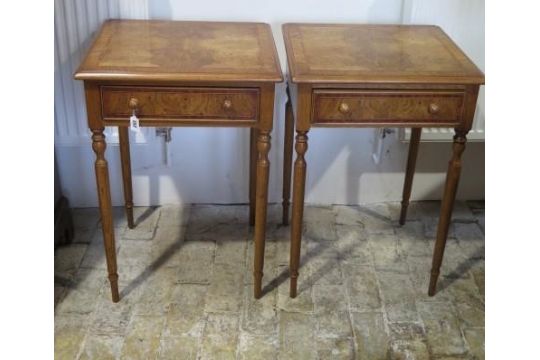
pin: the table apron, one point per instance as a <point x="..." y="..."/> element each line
<point x="393" y="124"/>
<point x="180" y="105"/>
<point x="182" y="122"/>
<point x="395" y="108"/>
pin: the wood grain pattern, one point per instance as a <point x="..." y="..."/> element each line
<point x="263" y="168"/>
<point x="102" y="181"/>
<point x="261" y="186"/>
<point x="354" y="53"/>
<point x="451" y="185"/>
<point x="181" y="74"/>
<point x="348" y="75"/>
<point x="180" y="103"/>
<point x="387" y="107"/>
<point x="447" y="204"/>
<point x="158" y="50"/>
<point x="105" y="206"/>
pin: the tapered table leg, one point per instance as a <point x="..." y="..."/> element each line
<point x="299" y="183"/>
<point x="261" y="203"/>
<point x="252" y="173"/>
<point x="287" y="160"/>
<point x="125" y="159"/>
<point x="411" y="164"/>
<point x="452" y="179"/>
<point x="105" y="207"/>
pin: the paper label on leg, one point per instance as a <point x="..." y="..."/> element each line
<point x="134" y="123"/>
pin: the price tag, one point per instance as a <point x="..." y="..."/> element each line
<point x="134" y="123"/>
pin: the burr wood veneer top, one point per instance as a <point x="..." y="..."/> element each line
<point x="150" y="50"/>
<point x="346" y="53"/>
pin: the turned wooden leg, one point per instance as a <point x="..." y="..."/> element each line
<point x="411" y="164"/>
<point x="252" y="173"/>
<point x="261" y="202"/>
<point x="125" y="159"/>
<point x="299" y="184"/>
<point x="105" y="207"/>
<point x="287" y="160"/>
<point x="452" y="179"/>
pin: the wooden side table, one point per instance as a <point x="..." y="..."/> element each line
<point x="172" y="73"/>
<point x="376" y="76"/>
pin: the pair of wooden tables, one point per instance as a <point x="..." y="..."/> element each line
<point x="167" y="73"/>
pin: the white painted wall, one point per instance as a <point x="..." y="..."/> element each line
<point x="211" y="165"/>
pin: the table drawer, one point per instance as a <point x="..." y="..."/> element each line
<point x="393" y="107"/>
<point x="180" y="103"/>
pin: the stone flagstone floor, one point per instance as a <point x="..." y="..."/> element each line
<point x="186" y="286"/>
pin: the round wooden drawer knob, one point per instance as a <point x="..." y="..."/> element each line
<point x="433" y="108"/>
<point x="133" y="103"/>
<point x="227" y="104"/>
<point x="344" y="108"/>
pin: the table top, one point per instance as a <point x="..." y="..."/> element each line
<point x="148" y="50"/>
<point x="353" y="53"/>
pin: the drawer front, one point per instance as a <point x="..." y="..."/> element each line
<point x="180" y="103"/>
<point x="387" y="107"/>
